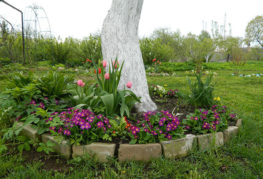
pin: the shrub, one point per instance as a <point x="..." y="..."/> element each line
<point x="153" y="48"/>
<point x="59" y="52"/>
<point x="4" y="61"/>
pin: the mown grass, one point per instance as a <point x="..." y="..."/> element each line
<point x="241" y="158"/>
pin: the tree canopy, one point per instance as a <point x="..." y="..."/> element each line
<point x="254" y="30"/>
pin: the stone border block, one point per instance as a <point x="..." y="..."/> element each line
<point x="100" y="150"/>
<point x="180" y="147"/>
<point x="230" y="132"/>
<point x="239" y="123"/>
<point x="29" y="131"/>
<point x="207" y="141"/>
<point x="63" y="148"/>
<point x="139" y="152"/>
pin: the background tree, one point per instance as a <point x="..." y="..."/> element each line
<point x="227" y="45"/>
<point x="254" y="30"/>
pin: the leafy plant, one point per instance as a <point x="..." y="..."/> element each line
<point x="157" y="90"/>
<point x="3" y="147"/>
<point x="201" y="92"/>
<point x="54" y="85"/>
<point x="45" y="147"/>
<point x="24" y="143"/>
<point x="116" y="101"/>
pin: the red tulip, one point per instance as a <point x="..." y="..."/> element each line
<point x="95" y="71"/>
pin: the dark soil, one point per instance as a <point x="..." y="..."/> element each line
<point x="175" y="106"/>
<point x="50" y="162"/>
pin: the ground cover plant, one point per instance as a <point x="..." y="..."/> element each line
<point x="232" y="160"/>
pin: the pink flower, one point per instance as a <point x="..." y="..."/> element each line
<point x="104" y="63"/>
<point x="107" y="76"/>
<point x="80" y="83"/>
<point x="129" y="84"/>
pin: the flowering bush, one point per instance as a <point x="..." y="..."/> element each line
<point x="206" y="121"/>
<point x="156" y="126"/>
<point x="81" y="126"/>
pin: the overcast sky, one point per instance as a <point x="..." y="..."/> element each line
<point x="79" y="18"/>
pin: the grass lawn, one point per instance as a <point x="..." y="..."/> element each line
<point x="240" y="158"/>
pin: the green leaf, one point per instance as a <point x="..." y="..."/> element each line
<point x="133" y="141"/>
<point x="3" y="148"/>
<point x="20" y="148"/>
<point x="39" y="149"/>
<point x="27" y="146"/>
<point x="108" y="101"/>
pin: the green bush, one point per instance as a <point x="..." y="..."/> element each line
<point x="74" y="62"/>
<point x="153" y="48"/>
<point x="91" y="48"/>
<point x="170" y="67"/>
<point x="59" y="52"/>
<point x="4" y="61"/>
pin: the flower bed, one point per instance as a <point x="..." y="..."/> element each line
<point x="97" y="119"/>
<point x="140" y="152"/>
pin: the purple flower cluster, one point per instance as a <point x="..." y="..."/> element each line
<point x="134" y="130"/>
<point x="79" y="121"/>
<point x="212" y="119"/>
<point x="157" y="123"/>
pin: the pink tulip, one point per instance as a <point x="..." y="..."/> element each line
<point x="129" y="84"/>
<point x="107" y="76"/>
<point x="80" y="83"/>
<point x="104" y="63"/>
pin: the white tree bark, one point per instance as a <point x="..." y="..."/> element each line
<point x="120" y="40"/>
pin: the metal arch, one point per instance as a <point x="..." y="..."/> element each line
<point x="36" y="17"/>
<point x="4" y="19"/>
<point x="47" y="20"/>
<point x="34" y="11"/>
<point x="22" y="24"/>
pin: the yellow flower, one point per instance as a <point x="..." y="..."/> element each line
<point x="217" y="98"/>
<point x="165" y="85"/>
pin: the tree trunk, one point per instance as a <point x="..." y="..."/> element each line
<point x="119" y="39"/>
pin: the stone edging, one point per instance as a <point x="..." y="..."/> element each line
<point x="138" y="152"/>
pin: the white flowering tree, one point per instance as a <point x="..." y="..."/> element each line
<point x="120" y="41"/>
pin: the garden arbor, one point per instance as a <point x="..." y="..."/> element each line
<point x="120" y="41"/>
